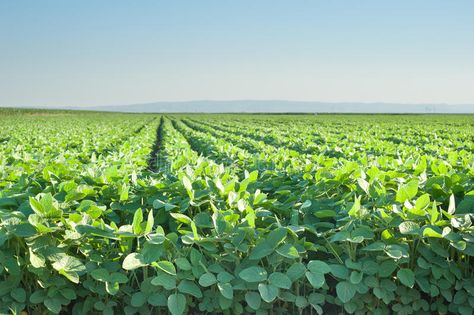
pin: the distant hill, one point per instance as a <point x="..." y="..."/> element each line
<point x="278" y="106"/>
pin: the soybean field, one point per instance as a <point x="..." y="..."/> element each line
<point x="110" y="213"/>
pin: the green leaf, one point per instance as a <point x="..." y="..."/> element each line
<point x="149" y="223"/>
<point x="70" y="267"/>
<point x="253" y="176"/>
<point x="387" y="268"/>
<point x="253" y="274"/>
<point x="296" y="271"/>
<point x="339" y="271"/>
<point x="259" y="197"/>
<point x="466" y="205"/>
<point x="306" y="204"/>
<point x="262" y="249"/>
<point x="422" y="202"/>
<point x="156" y="238"/>
<point x="316" y="279"/>
<point x="183" y="264"/>
<point x="187" y="183"/>
<point x="158" y="204"/>
<point x="182" y="218"/>
<point x="112" y="287"/>
<point x="94" y="231"/>
<point x="100" y="274"/>
<point x="349" y="263"/>
<point x="38" y="296"/>
<point x="407" y="191"/>
<point x="324" y="214"/>
<point x="253" y="300"/>
<point x="363" y="231"/>
<point x="276" y="236"/>
<point x="345" y="291"/>
<point x="452" y="204"/>
<point x="268" y="292"/>
<point x="138" y="299"/>
<point x="165" y="280"/>
<point x="124" y="192"/>
<point x="189" y="287"/>
<point x="318" y="266"/>
<point x="68" y="293"/>
<point x="69" y="263"/>
<point x="19" y="294"/>
<point x="224" y="277"/>
<point x="433" y="213"/>
<point x="355" y="209"/>
<point x="363" y="184"/>
<point x="195" y="231"/>
<point x="53" y="304"/>
<point x="226" y="290"/>
<point x="316" y="298"/>
<point x="24" y="230"/>
<point x="356" y="277"/>
<point x="409" y="227"/>
<point x="207" y="279"/>
<point x="37" y="206"/>
<point x="396" y="251"/>
<point x="99" y="305"/>
<point x="167" y="267"/>
<point x="157" y="299"/>
<point x="406" y="277"/>
<point x="118" y="277"/>
<point x="370" y="267"/>
<point x="70" y="275"/>
<point x="8" y="202"/>
<point x="301" y="302"/>
<point x="137" y="220"/>
<point x="176" y="303"/>
<point x="430" y="232"/>
<point x="36" y="261"/>
<point x="279" y="280"/>
<point x="288" y="251"/>
<point x="189" y="187"/>
<point x="376" y="246"/>
<point x="133" y="261"/>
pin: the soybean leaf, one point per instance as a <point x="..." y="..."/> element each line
<point x="138" y="299"/>
<point x="253" y="274"/>
<point x="407" y="191"/>
<point x="268" y="292"/>
<point x="406" y="277"/>
<point x="167" y="267"/>
<point x="176" y="303"/>
<point x="253" y="300"/>
<point x="133" y="261"/>
<point x="207" y="279"/>
<point x="409" y="227"/>
<point x="345" y="291"/>
<point x="137" y="220"/>
<point x="318" y="266"/>
<point x="288" y="251"/>
<point x="316" y="279"/>
<point x="165" y="280"/>
<point x="226" y="290"/>
<point x="296" y="271"/>
<point x="279" y="280"/>
<point x="189" y="287"/>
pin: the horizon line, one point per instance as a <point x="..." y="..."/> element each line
<point x="240" y="100"/>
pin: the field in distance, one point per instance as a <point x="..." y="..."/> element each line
<point x="110" y="213"/>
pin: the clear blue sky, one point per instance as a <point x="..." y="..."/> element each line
<point x="119" y="52"/>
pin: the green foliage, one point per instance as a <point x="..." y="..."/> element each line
<point x="140" y="214"/>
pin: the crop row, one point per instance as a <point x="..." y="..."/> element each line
<point x="227" y="214"/>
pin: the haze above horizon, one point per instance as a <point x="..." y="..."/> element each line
<point x="92" y="53"/>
